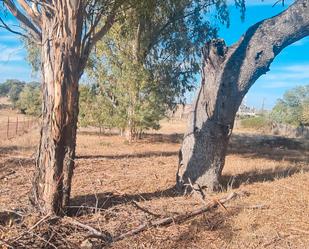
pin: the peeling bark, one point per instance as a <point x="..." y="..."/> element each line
<point x="66" y="30"/>
<point x="228" y="74"/>
<point x="60" y="77"/>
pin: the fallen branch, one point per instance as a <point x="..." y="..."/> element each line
<point x="105" y="236"/>
<point x="159" y="222"/>
<point x="176" y="219"/>
<point x="145" y="210"/>
<point x="43" y="219"/>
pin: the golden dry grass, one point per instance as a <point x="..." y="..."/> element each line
<point x="110" y="174"/>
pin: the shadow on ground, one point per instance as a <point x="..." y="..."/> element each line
<point x="135" y="155"/>
<point x="266" y="175"/>
<point x="269" y="147"/>
<point x="245" y="145"/>
<point x="13" y="148"/>
<point x="85" y="203"/>
<point x="81" y="204"/>
<point x="147" y="137"/>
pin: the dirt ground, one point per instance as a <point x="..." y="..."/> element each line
<point x="114" y="181"/>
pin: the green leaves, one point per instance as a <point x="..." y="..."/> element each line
<point x="30" y="99"/>
<point x="293" y="107"/>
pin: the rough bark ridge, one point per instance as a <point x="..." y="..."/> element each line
<point x="60" y="76"/>
<point x="66" y="30"/>
<point x="228" y="73"/>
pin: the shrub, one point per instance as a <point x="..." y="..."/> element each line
<point x="259" y="122"/>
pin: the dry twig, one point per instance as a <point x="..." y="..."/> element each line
<point x="145" y="210"/>
<point x="175" y="219"/>
<point x="34" y="226"/>
<point x="106" y="237"/>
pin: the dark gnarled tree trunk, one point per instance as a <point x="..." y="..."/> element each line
<point x="228" y="73"/>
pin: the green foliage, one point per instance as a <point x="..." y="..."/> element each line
<point x="93" y="108"/>
<point x="11" y="89"/>
<point x="150" y="58"/>
<point x="30" y="99"/>
<point x="305" y="113"/>
<point x="24" y="96"/>
<point x="147" y="61"/>
<point x="33" y="55"/>
<point x="256" y="123"/>
<point x="293" y="107"/>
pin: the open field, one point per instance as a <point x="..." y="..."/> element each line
<point x="13" y="123"/>
<point x="112" y="175"/>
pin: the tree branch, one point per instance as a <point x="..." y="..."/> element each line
<point x="35" y="33"/>
<point x="108" y="24"/>
<point x="156" y="223"/>
<point x="174" y="18"/>
<point x="36" y="19"/>
<point x="5" y="26"/>
<point x="252" y="55"/>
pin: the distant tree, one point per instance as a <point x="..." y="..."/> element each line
<point x="293" y="107"/>
<point x="153" y="55"/>
<point x="30" y="99"/>
<point x="93" y="109"/>
<point x="12" y="89"/>
<point x="305" y="113"/>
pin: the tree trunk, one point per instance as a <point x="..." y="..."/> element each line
<point x="60" y="76"/>
<point x="228" y="73"/>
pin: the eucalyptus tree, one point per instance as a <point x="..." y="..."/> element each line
<point x="153" y="56"/>
<point x="227" y="75"/>
<point x="293" y="108"/>
<point x="65" y="32"/>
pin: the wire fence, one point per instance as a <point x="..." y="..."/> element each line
<point x="16" y="126"/>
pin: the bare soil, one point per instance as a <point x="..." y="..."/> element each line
<point x="112" y="175"/>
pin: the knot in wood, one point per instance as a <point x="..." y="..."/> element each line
<point x="214" y="52"/>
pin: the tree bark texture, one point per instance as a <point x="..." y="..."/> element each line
<point x="227" y="75"/>
<point x="61" y="38"/>
<point x="66" y="30"/>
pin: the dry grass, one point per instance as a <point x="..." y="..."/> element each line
<point x="110" y="174"/>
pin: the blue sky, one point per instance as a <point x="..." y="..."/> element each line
<point x="290" y="68"/>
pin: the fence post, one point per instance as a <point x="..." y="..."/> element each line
<point x="7" y="128"/>
<point x="16" y="129"/>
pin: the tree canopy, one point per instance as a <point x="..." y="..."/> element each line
<point x="293" y="108"/>
<point x="151" y="56"/>
<point x="11" y="89"/>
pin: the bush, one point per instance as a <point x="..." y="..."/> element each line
<point x="30" y="99"/>
<point x="11" y="89"/>
<point x="260" y="122"/>
<point x="293" y="108"/>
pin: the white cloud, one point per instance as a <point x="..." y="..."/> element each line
<point x="9" y="37"/>
<point x="11" y="53"/>
<point x="11" y="71"/>
<point x="286" y="76"/>
<point x="299" y="68"/>
<point x="280" y="84"/>
<point x="296" y="75"/>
